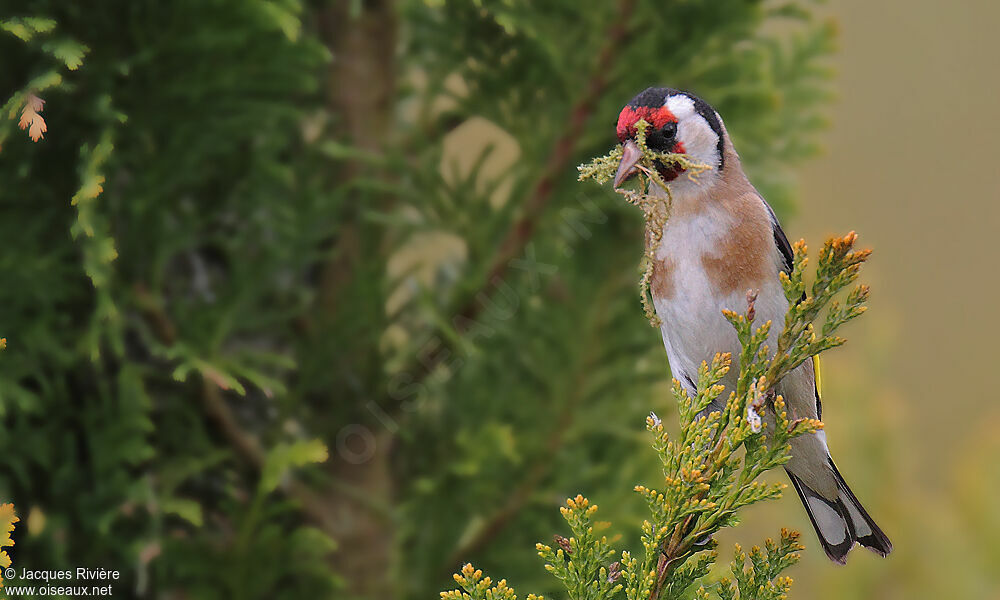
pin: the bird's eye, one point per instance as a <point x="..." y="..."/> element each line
<point x="663" y="139"/>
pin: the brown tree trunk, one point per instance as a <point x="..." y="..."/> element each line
<point x="361" y="95"/>
<point x="361" y="91"/>
<point x="361" y="523"/>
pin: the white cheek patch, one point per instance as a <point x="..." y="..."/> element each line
<point x="699" y="139"/>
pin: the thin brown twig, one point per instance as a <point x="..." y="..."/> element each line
<point x="516" y="501"/>
<point x="520" y="233"/>
<point x="498" y="521"/>
<point x="245" y="444"/>
<point x="515" y="241"/>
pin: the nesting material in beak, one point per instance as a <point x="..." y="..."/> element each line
<point x="631" y="154"/>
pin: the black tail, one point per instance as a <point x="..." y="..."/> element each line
<point x="842" y="522"/>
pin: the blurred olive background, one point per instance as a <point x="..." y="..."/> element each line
<point x="909" y="165"/>
<point x="303" y="299"/>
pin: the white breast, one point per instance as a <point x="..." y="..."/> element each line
<point x="693" y="328"/>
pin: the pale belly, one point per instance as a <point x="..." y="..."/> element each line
<point x="693" y="327"/>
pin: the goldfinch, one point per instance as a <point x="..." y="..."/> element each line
<point x="721" y="240"/>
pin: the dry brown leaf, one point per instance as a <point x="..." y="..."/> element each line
<point x="32" y="120"/>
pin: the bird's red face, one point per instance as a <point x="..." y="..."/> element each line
<point x="661" y="136"/>
<point x="678" y="123"/>
<point x="657" y="117"/>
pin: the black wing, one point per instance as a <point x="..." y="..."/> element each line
<point x="781" y="241"/>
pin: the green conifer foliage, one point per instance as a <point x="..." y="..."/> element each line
<point x="270" y="336"/>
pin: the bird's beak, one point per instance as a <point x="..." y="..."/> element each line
<point x="627" y="167"/>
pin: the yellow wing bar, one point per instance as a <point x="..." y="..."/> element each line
<point x="819" y="380"/>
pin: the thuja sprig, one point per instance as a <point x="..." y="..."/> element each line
<point x="758" y="576"/>
<point x="7" y="520"/>
<point x="583" y="562"/>
<point x="707" y="479"/>
<point x="838" y="267"/>
<point x="711" y="469"/>
<point x="474" y="586"/>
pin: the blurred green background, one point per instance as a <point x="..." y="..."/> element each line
<point x="302" y="298"/>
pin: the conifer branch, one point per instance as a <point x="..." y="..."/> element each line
<point x="7" y="520"/>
